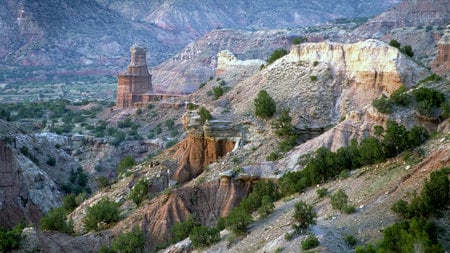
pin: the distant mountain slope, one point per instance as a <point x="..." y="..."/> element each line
<point x="79" y="33"/>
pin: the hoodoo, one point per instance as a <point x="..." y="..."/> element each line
<point x="135" y="84"/>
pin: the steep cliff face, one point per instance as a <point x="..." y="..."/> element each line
<point x="349" y="76"/>
<point x="203" y="145"/>
<point x="442" y="61"/>
<point x="25" y="190"/>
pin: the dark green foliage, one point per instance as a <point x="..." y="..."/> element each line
<point x="371" y="151"/>
<point x="181" y="230"/>
<point x="298" y="40"/>
<point x="285" y="130"/>
<point x="170" y="123"/>
<point x="102" y="182"/>
<point x="140" y="191"/>
<point x="277" y="54"/>
<point x="55" y="220"/>
<point x="310" y="242"/>
<point x="69" y="202"/>
<point x="218" y="92"/>
<point x="394" y="43"/>
<point x="104" y="211"/>
<point x="383" y="105"/>
<point x="150" y="106"/>
<point x="406" y="236"/>
<point x="126" y="163"/>
<point x="431" y="78"/>
<point x="77" y="182"/>
<point x="400" y="97"/>
<point x="11" y="239"/>
<point x="266" y="207"/>
<point x="202" y="236"/>
<point x="125" y="123"/>
<point x="322" y="192"/>
<point x="339" y="200"/>
<point x="350" y="240"/>
<point x="435" y="192"/>
<point x="283" y="124"/>
<point x="395" y="139"/>
<point x="428" y="28"/>
<point x="171" y="143"/>
<point x="265" y="106"/>
<point x="261" y="190"/>
<point x="304" y="215"/>
<point x="24" y="150"/>
<point x="51" y="161"/>
<point x="204" y="114"/>
<point x="428" y="100"/>
<point x="131" y="242"/>
<point x="192" y="106"/>
<point x="313" y="78"/>
<point x="238" y="220"/>
<point x="417" y="135"/>
<point x="407" y="49"/>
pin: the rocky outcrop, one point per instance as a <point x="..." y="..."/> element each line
<point x="228" y="64"/>
<point x="25" y="190"/>
<point x="442" y="61"/>
<point x="134" y="84"/>
<point x="207" y="201"/>
<point x="321" y="82"/>
<point x="204" y="144"/>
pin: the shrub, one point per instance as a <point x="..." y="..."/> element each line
<point x="277" y="54"/>
<point x="139" y="191"/>
<point x="339" y="200"/>
<point x="371" y="151"/>
<point x="304" y="214"/>
<point x="265" y="106"/>
<point x="130" y="242"/>
<point x="310" y="242"/>
<point x="126" y="163"/>
<point x="204" y="114"/>
<point x="170" y="123"/>
<point x="181" y="230"/>
<point x="383" y="105"/>
<point x="350" y="240"/>
<point x="407" y="49"/>
<point x="202" y="236"/>
<point x="394" y="43"/>
<point x="55" y="220"/>
<point x="218" y="92"/>
<point x="238" y="220"/>
<point x="51" y="161"/>
<point x="298" y="40"/>
<point x="283" y="124"/>
<point x="192" y="106"/>
<point x="104" y="211"/>
<point x="266" y="207"/>
<point x="11" y="239"/>
<point x="400" y="97"/>
<point x="322" y="192"/>
<point x="69" y="202"/>
<point x="313" y="78"/>
<point x="102" y="182"/>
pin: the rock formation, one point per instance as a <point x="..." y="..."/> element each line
<point x="135" y="84"/>
<point x="442" y="62"/>
<point x="204" y="144"/>
<point x="25" y="191"/>
<point x="228" y="64"/>
<point x="207" y="201"/>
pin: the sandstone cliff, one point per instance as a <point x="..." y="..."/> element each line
<point x="204" y="144"/>
<point x="350" y="76"/>
<point x="442" y="61"/>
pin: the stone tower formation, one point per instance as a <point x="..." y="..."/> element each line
<point x="442" y="61"/>
<point x="135" y="84"/>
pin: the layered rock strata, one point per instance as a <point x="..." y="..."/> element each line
<point x="204" y="145"/>
<point x="136" y="82"/>
<point x="442" y="62"/>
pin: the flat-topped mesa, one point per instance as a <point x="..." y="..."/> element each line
<point x="135" y="84"/>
